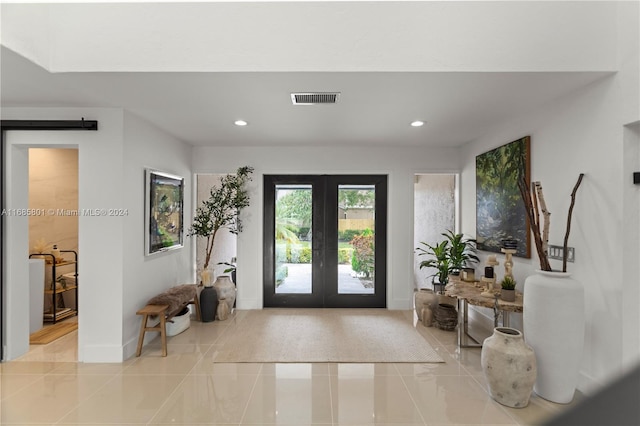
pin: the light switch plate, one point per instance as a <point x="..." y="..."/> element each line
<point x="555" y="252"/>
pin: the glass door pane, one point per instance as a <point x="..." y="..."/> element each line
<point x="292" y="236"/>
<point x="356" y="239"/>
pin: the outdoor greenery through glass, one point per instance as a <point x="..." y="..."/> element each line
<point x="293" y="232"/>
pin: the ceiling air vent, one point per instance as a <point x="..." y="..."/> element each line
<point x="315" y="98"/>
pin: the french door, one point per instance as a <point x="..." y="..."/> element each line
<point x="325" y="240"/>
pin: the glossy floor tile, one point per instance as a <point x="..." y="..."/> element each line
<point x="188" y="388"/>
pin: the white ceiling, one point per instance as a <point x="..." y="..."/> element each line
<point x="374" y="109"/>
<point x="461" y="84"/>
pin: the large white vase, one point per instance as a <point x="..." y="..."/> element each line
<point x="553" y="325"/>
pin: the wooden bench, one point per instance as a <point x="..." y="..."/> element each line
<point x="166" y="305"/>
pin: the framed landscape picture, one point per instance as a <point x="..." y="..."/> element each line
<point x="164" y="202"/>
<point x="500" y="211"/>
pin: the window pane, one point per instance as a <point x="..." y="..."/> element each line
<point x="293" y="239"/>
<point x="356" y="237"/>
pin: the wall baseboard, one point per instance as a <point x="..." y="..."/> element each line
<point x="248" y="304"/>
<point x="102" y="353"/>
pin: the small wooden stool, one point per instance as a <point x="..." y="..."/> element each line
<point x="153" y="310"/>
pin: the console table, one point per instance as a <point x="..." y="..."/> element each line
<point x="467" y="294"/>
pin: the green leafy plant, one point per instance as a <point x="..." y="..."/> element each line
<point x="348" y="234"/>
<point x="363" y="256"/>
<point x="304" y="255"/>
<point x="230" y="267"/>
<point x="344" y="255"/>
<point x="439" y="260"/>
<point x="222" y="209"/>
<point x="282" y="272"/>
<point x="508" y="283"/>
<point x="462" y="252"/>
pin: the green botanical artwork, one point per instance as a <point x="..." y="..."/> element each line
<point x="500" y="211"/>
<point x="164" y="211"/>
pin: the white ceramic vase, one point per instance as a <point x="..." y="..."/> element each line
<point x="553" y="324"/>
<point x="226" y="290"/>
<point x="425" y="297"/>
<point x="222" y="312"/>
<point x="509" y="365"/>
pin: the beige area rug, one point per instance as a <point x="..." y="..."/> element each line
<point x="325" y="335"/>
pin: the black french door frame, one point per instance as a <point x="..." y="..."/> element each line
<point x="324" y="243"/>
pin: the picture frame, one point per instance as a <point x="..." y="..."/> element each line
<point x="500" y="210"/>
<point x="164" y="212"/>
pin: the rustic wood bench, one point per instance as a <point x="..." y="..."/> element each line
<point x="166" y="305"/>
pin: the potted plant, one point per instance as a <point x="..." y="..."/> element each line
<point x="230" y="268"/>
<point x="462" y="252"/>
<point x="439" y="260"/>
<point x="221" y="210"/>
<point x="508" y="293"/>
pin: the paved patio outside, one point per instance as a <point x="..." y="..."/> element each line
<point x="299" y="280"/>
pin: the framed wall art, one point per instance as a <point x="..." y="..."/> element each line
<point x="500" y="211"/>
<point x="164" y="203"/>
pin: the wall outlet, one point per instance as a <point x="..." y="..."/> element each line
<point x="555" y="252"/>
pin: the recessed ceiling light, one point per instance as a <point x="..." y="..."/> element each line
<point x="417" y="123"/>
<point x="240" y="123"/>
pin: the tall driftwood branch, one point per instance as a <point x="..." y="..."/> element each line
<point x="535" y="203"/>
<point x="547" y="219"/>
<point x="565" y="248"/>
<point x="526" y="194"/>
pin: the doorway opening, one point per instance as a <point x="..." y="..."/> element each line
<point x="435" y="211"/>
<point x="14" y="270"/>
<point x="53" y="304"/>
<point x="325" y="240"/>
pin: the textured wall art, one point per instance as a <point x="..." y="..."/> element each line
<point x="500" y="211"/>
<point x="164" y="195"/>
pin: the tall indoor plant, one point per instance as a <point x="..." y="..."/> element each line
<point x="221" y="210"/>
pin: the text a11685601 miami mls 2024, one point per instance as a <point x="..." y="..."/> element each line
<point x="65" y="212"/>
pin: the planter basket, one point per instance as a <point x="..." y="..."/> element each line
<point x="180" y="323"/>
<point x="445" y="317"/>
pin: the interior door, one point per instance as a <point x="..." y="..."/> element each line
<point x="325" y="240"/>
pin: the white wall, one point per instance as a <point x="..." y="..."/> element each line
<point x="401" y="164"/>
<point x="116" y="278"/>
<point x="629" y="65"/>
<point x="434" y="213"/>
<point x="631" y="246"/>
<point x="145" y="146"/>
<point x="582" y="133"/>
<point x="53" y="182"/>
<point x="100" y="238"/>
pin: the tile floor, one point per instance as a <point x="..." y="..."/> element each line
<point x="47" y="386"/>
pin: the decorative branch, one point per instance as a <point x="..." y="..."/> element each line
<point x="547" y="219"/>
<point x="566" y="235"/>
<point x="535" y="203"/>
<point x="526" y="194"/>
